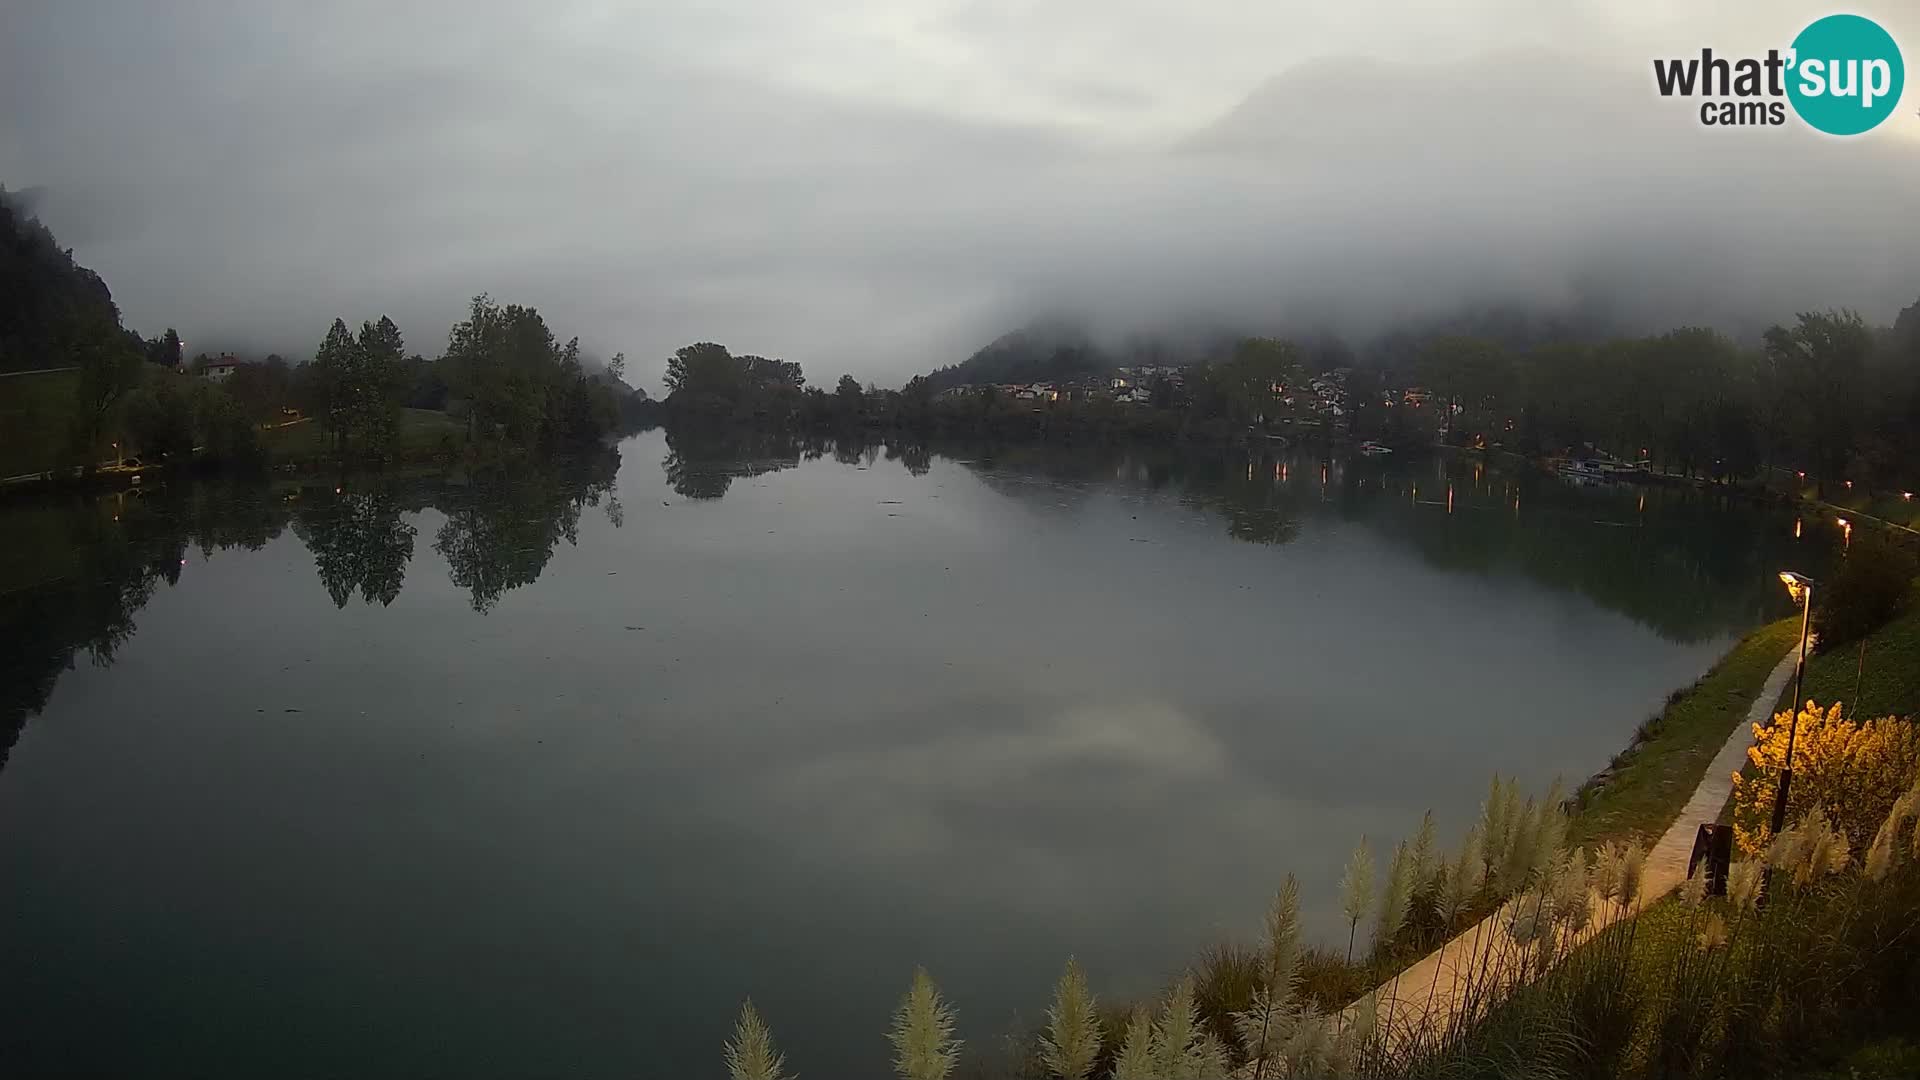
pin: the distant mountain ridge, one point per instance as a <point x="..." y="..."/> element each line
<point x="1056" y="349"/>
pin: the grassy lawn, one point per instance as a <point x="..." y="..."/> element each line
<point x="1654" y="778"/>
<point x="1899" y="508"/>
<point x="1890" y="684"/>
<point x="1890" y="1058"/>
<point x="421" y="432"/>
<point x="33" y="421"/>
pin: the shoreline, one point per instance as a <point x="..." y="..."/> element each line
<point x="1636" y="795"/>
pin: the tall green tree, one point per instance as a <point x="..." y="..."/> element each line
<point x="159" y="419"/>
<point x="498" y="359"/>
<point x="332" y="383"/>
<point x="704" y="369"/>
<point x="1260" y="372"/>
<point x="1818" y="367"/>
<point x="109" y="370"/>
<point x="379" y="378"/>
<point x="520" y="382"/>
<point x="847" y="396"/>
<point x="261" y="389"/>
<point x="1473" y="373"/>
<point x="165" y="349"/>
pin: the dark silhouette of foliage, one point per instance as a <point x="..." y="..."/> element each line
<point x="501" y="531"/>
<point x="358" y="542"/>
<point x="1873" y="583"/>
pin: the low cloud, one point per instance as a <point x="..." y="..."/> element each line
<point x="881" y="188"/>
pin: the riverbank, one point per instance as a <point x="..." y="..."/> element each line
<point x="426" y="439"/>
<point x="1662" y="767"/>
<point x="1637" y="795"/>
<point x="1460" y="979"/>
<point x="1676" y="774"/>
<point x="1637" y="800"/>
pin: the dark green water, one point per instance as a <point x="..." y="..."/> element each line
<point x="538" y="774"/>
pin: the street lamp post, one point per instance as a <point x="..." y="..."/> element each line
<point x="1800" y="587"/>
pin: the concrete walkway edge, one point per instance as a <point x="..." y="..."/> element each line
<point x="1425" y="997"/>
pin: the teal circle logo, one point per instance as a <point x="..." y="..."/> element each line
<point x="1846" y="75"/>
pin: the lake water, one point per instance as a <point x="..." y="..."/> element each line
<point x="539" y="774"/>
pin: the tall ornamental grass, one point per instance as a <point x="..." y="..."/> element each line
<point x="1564" y="966"/>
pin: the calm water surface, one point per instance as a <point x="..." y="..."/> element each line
<point x="539" y="774"/>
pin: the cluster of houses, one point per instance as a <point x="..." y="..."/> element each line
<point x="1132" y="385"/>
<point x="1035" y="392"/>
<point x="1329" y="394"/>
<point x="1324" y="400"/>
<point x="1135" y="384"/>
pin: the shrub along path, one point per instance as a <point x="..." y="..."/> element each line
<point x="1423" y="999"/>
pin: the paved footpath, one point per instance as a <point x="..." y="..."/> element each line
<point x="1426" y="996"/>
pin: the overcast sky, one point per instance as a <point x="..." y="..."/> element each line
<point x="879" y="186"/>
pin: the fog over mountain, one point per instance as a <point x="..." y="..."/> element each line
<point x="883" y="187"/>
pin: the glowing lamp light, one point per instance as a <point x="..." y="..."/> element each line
<point x="1798" y="585"/>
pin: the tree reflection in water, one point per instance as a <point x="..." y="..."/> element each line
<point x="1688" y="564"/>
<point x="503" y="524"/>
<point x="358" y="541"/>
<point x="79" y="569"/>
<point x="702" y="463"/>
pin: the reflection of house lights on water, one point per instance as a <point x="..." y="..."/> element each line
<point x="1796" y="528"/>
<point x="1449" y="498"/>
<point x="1643" y="502"/>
